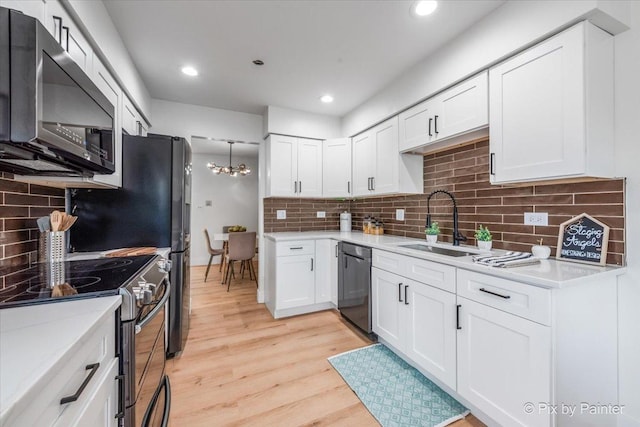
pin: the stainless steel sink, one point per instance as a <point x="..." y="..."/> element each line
<point x="437" y="250"/>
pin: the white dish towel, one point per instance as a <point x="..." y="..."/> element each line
<point x="510" y="259"/>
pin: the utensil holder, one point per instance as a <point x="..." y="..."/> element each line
<point x="55" y="273"/>
<point x="51" y="246"/>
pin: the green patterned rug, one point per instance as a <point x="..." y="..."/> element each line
<point x="394" y="392"/>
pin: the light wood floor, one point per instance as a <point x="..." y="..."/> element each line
<point x="242" y="367"/>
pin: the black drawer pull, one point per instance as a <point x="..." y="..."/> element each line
<point x="406" y="301"/>
<point x="94" y="368"/>
<point x="399" y="292"/>
<point x="120" y="379"/>
<point x="493" y="293"/>
<point x="296" y="248"/>
<point x="458" y="316"/>
<point x="430" y="120"/>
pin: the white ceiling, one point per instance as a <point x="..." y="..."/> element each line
<point x="221" y="148"/>
<point x="350" y="49"/>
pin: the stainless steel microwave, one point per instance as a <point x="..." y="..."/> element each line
<point x="53" y="119"/>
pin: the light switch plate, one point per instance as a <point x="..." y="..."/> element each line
<point x="281" y="214"/>
<point x="536" y="218"/>
<point x="399" y="214"/>
<point x="321" y="214"/>
<point x="208" y="203"/>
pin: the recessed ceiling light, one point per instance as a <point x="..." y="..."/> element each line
<point x="425" y="7"/>
<point x="190" y="71"/>
<point x="326" y="99"/>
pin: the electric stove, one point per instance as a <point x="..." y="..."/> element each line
<point x="50" y="282"/>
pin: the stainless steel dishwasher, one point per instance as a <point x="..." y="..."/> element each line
<point x="354" y="285"/>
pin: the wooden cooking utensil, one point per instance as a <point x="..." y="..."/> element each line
<point x="56" y="220"/>
<point x="70" y="221"/>
<point x="63" y="290"/>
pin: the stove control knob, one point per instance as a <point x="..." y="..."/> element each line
<point x="164" y="265"/>
<point x="147" y="296"/>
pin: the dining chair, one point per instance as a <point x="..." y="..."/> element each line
<point x="242" y="247"/>
<point x="212" y="253"/>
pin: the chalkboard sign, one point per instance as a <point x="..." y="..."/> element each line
<point x="583" y="239"/>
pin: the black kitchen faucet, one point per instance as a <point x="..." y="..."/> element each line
<point x="457" y="237"/>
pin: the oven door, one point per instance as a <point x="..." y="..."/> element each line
<point x="150" y="353"/>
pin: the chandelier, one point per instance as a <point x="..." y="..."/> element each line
<point x="241" y="169"/>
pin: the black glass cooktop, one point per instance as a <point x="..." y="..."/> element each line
<point x="48" y="282"/>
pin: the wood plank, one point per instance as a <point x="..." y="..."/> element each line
<point x="241" y="367"/>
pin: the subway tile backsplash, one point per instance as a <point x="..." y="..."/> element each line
<point x="20" y="205"/>
<point x="464" y="172"/>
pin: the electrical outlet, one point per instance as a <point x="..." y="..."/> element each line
<point x="399" y="214"/>
<point x="536" y="218"/>
<point x="281" y="214"/>
<point x="208" y="203"/>
<point x="321" y="214"/>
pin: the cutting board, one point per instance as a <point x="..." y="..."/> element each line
<point x="131" y="252"/>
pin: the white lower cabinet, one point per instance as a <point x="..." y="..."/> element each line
<point x="504" y="361"/>
<point x="298" y="277"/>
<point x="418" y="320"/>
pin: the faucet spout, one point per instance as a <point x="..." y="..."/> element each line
<point x="457" y="236"/>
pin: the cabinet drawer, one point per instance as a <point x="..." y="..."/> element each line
<point x="299" y="247"/>
<point x="526" y="301"/>
<point x="423" y="271"/>
<point x="96" y="347"/>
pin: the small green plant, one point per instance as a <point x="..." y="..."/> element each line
<point x="483" y="234"/>
<point x="433" y="229"/>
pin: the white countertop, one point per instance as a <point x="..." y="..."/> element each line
<point x="549" y="273"/>
<point x="35" y="341"/>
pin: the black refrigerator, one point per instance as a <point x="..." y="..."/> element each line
<point x="152" y="208"/>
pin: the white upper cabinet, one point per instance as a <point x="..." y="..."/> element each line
<point x="378" y="167"/>
<point x="132" y="121"/>
<point x="447" y="118"/>
<point x="294" y="167"/>
<point x="65" y="31"/>
<point x="336" y="167"/>
<point x="552" y="109"/>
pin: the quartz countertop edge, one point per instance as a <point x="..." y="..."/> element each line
<point x="36" y="340"/>
<point x="549" y="273"/>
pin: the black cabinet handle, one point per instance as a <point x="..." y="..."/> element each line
<point x="369" y="183"/>
<point x="406" y="301"/>
<point x="493" y="293"/>
<point x="492" y="159"/>
<point x="311" y="264"/>
<point x="458" y="316"/>
<point x="68" y="399"/>
<point x="58" y="23"/>
<point x="120" y="379"/>
<point x="373" y="183"/>
<point x="430" y="120"/>
<point x="66" y="38"/>
<point x="399" y="292"/>
<point x="336" y="251"/>
<point x="300" y="187"/>
<point x="435" y="125"/>
<point x="348" y="187"/>
<point x="295" y="248"/>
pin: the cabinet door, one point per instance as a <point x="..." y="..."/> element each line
<point x="59" y="23"/>
<point x="111" y="90"/>
<point x="336" y="167"/>
<point x="416" y="126"/>
<point x="33" y="8"/>
<point x="387" y="158"/>
<point x="363" y="160"/>
<point x="537" y="111"/>
<point x="295" y="281"/>
<point x="504" y="361"/>
<point x="463" y="108"/>
<point x="129" y="115"/>
<point x="282" y="172"/>
<point x="324" y="259"/>
<point x="431" y="324"/>
<point x="309" y="167"/>
<point x="388" y="307"/>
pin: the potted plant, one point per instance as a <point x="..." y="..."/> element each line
<point x="484" y="238"/>
<point x="432" y="232"/>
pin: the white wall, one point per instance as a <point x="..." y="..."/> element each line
<point x="627" y="54"/>
<point x="300" y="123"/>
<point x="234" y="202"/>
<point x="509" y="28"/>
<point x="186" y="120"/>
<point x="97" y="22"/>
